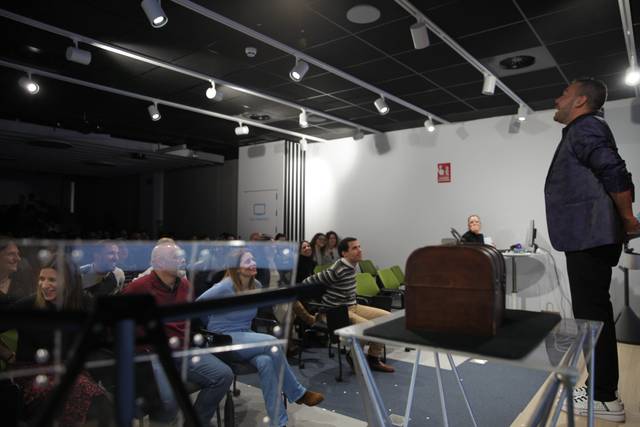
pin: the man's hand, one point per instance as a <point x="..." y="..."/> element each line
<point x="631" y="227"/>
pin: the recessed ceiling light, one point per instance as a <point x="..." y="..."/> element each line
<point x="34" y="49"/>
<point x="363" y="14"/>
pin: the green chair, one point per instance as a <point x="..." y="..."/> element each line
<point x="366" y="285"/>
<point x="390" y="285"/>
<point x="367" y="266"/>
<point x="321" y="267"/>
<point x="398" y="272"/>
<point x="368" y="292"/>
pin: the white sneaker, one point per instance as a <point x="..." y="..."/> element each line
<point x="610" y="411"/>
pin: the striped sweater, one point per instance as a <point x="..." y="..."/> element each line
<point x="339" y="281"/>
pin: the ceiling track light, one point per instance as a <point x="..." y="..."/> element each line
<point x="29" y="85"/>
<point x="211" y="91"/>
<point x="155" y="14"/>
<point x="420" y="35"/>
<point x="489" y="85"/>
<point x="299" y="70"/>
<point x="632" y="77"/>
<point x="242" y="129"/>
<point x="302" y="119"/>
<point x="77" y="55"/>
<point x="303" y="144"/>
<point x="381" y="105"/>
<point x="154" y="112"/>
<point x="358" y="135"/>
<point x="522" y="113"/>
<point x="428" y="124"/>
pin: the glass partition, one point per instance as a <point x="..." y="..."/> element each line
<point x="133" y="314"/>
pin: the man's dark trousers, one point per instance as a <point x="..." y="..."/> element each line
<point x="589" y="280"/>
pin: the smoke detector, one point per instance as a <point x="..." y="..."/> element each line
<point x="250" y="51"/>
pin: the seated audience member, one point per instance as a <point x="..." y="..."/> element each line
<point x="332" y="246"/>
<point x="473" y="235"/>
<point x="168" y="285"/>
<point x="271" y="366"/>
<point x="15" y="281"/>
<point x="102" y="276"/>
<point x="58" y="287"/>
<point x="340" y="290"/>
<point x="319" y="248"/>
<point x="306" y="264"/>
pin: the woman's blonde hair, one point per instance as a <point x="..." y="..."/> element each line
<point x="233" y="271"/>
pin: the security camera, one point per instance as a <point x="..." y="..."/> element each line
<point x="250" y="51"/>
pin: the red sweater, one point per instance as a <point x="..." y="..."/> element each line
<point x="164" y="295"/>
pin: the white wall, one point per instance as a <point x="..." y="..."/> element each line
<point x="383" y="190"/>
<point x="260" y="189"/>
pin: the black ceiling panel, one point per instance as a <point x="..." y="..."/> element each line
<point x="429" y="98"/>
<point x="438" y="55"/>
<point x="594" y="46"/>
<point x="335" y="12"/>
<point x="328" y="83"/>
<point x="344" y="52"/>
<point x="450" y="108"/>
<point x="379" y="70"/>
<point x="591" y="17"/>
<point x="451" y="76"/>
<point x="293" y="91"/>
<point x="550" y="92"/>
<point x="350" y="113"/>
<point x="497" y="42"/>
<point x="406" y="85"/>
<point x="596" y="66"/>
<point x="325" y="103"/>
<point x="392" y="38"/>
<point x="357" y="96"/>
<point x="462" y="17"/>
<point x="486" y="102"/>
<point x="534" y="8"/>
<point x="533" y="79"/>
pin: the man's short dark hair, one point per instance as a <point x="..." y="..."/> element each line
<point x="595" y="90"/>
<point x="343" y="246"/>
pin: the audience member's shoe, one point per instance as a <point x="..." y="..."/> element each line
<point x="310" y="398"/>
<point x="376" y="365"/>
<point x="610" y="411"/>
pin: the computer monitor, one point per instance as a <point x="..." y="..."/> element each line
<point x="530" y="241"/>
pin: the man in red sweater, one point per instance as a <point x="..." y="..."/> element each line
<point x="168" y="285"/>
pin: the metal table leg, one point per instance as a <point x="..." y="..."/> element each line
<point x="464" y="393"/>
<point x="414" y="373"/>
<point x="445" y="421"/>
<point x="373" y="405"/>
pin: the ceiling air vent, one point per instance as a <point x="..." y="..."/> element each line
<point x="517" y="62"/>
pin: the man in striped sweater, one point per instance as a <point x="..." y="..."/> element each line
<point x="340" y="289"/>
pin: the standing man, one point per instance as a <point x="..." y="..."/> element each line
<point x="588" y="195"/>
<point x="339" y="281"/>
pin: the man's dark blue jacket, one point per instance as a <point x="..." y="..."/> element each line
<point x="586" y="167"/>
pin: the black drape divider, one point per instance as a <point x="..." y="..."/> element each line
<point x="294" y="191"/>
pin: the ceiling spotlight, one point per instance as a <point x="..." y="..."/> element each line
<point x="489" y="85"/>
<point x="211" y="91"/>
<point x="303" y="144"/>
<point x="358" y="135"/>
<point x="632" y="77"/>
<point x="29" y="85"/>
<point x="302" y="119"/>
<point x="299" y="70"/>
<point x="154" y="13"/>
<point x="381" y="105"/>
<point x="428" y="124"/>
<point x="77" y="55"/>
<point x="154" y="113"/>
<point x="522" y="113"/>
<point x="242" y="129"/>
<point x="419" y="35"/>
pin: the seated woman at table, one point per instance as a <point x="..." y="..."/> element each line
<point x="473" y="235"/>
<point x="269" y="364"/>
